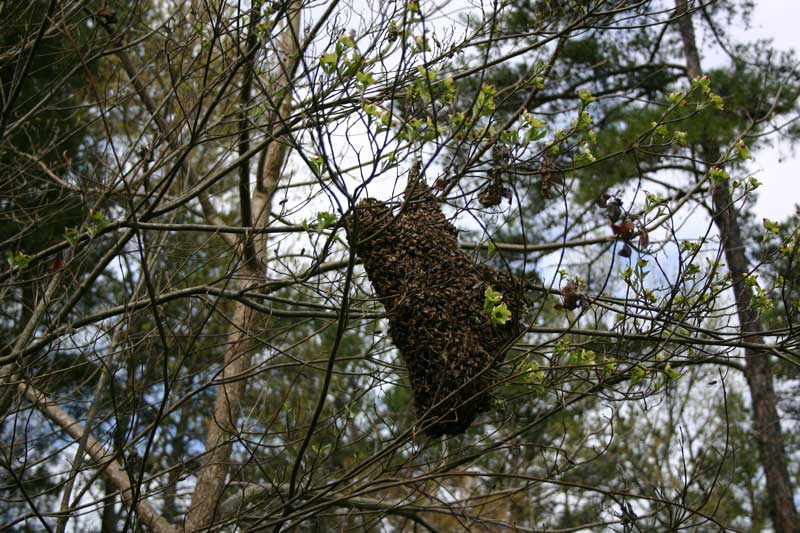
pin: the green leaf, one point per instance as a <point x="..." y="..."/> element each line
<point x="447" y="90"/>
<point x="533" y="134"/>
<point x="347" y="41"/>
<point x="609" y="365"/>
<point x="97" y="223"/>
<point x="678" y="98"/>
<point x="99" y="218"/>
<point x="422" y="44"/>
<point x="71" y="235"/>
<point x="491" y="298"/>
<point x="582" y="357"/>
<point x="433" y="129"/>
<point x="586" y="96"/>
<point x="741" y="150"/>
<point x="325" y="219"/>
<point x="532" y="121"/>
<point x="671" y="373"/>
<point x="386" y="119"/>
<point x="429" y="75"/>
<point x="19" y="260"/>
<point x="317" y="164"/>
<point x="680" y="137"/>
<point x="351" y="65"/>
<point x="365" y="78"/>
<point x="500" y="314"/>
<point x="533" y="374"/>
<point x="484" y="103"/>
<point x="510" y="137"/>
<point x="703" y="83"/>
<point x="771" y="226"/>
<point x="561" y="348"/>
<point x="638" y="373"/>
<point x="372" y="110"/>
<point x="329" y="61"/>
<point x="689" y="246"/>
<point x="584" y="120"/>
<point x="586" y="153"/>
<point x="659" y="129"/>
<point x="718" y="175"/>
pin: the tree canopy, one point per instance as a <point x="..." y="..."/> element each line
<point x="394" y="266"/>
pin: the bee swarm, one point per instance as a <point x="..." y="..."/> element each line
<point x="433" y="294"/>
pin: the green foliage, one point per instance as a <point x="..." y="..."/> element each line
<point x="365" y="78"/>
<point x="771" y="227"/>
<point x="500" y="314"/>
<point x="19" y="260"/>
<point x="484" y="104"/>
<point x="322" y="221"/>
<point x="497" y="310"/>
<point x="718" y="175"/>
<point x="97" y="222"/>
<point x="590" y="398"/>
<point x="671" y="373"/>
<point x="325" y="219"/>
<point x="491" y="298"/>
<point x="582" y="357"/>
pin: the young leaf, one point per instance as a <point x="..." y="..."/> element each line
<point x="491" y="298"/>
<point x="365" y="78"/>
<point x="500" y="314"/>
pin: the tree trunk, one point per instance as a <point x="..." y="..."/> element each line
<point x="222" y="428"/>
<point x="209" y="492"/>
<point x="757" y="369"/>
<point x="109" y="518"/>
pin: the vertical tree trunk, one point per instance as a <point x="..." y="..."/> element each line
<point x="222" y="428"/>
<point x="757" y="369"/>
<point x="108" y="522"/>
<point x="170" y="508"/>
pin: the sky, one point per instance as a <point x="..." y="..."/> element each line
<point x="777" y="168"/>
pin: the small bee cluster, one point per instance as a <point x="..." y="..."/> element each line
<point x="434" y="296"/>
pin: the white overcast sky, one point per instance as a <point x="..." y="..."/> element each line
<point x="777" y="168"/>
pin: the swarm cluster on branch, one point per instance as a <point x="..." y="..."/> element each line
<point x="434" y="295"/>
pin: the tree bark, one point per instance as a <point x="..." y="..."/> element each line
<point x="757" y="368"/>
<point x="222" y="428"/>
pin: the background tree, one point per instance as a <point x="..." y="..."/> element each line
<point x="191" y="342"/>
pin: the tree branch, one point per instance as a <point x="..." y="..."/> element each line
<point x="112" y="470"/>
